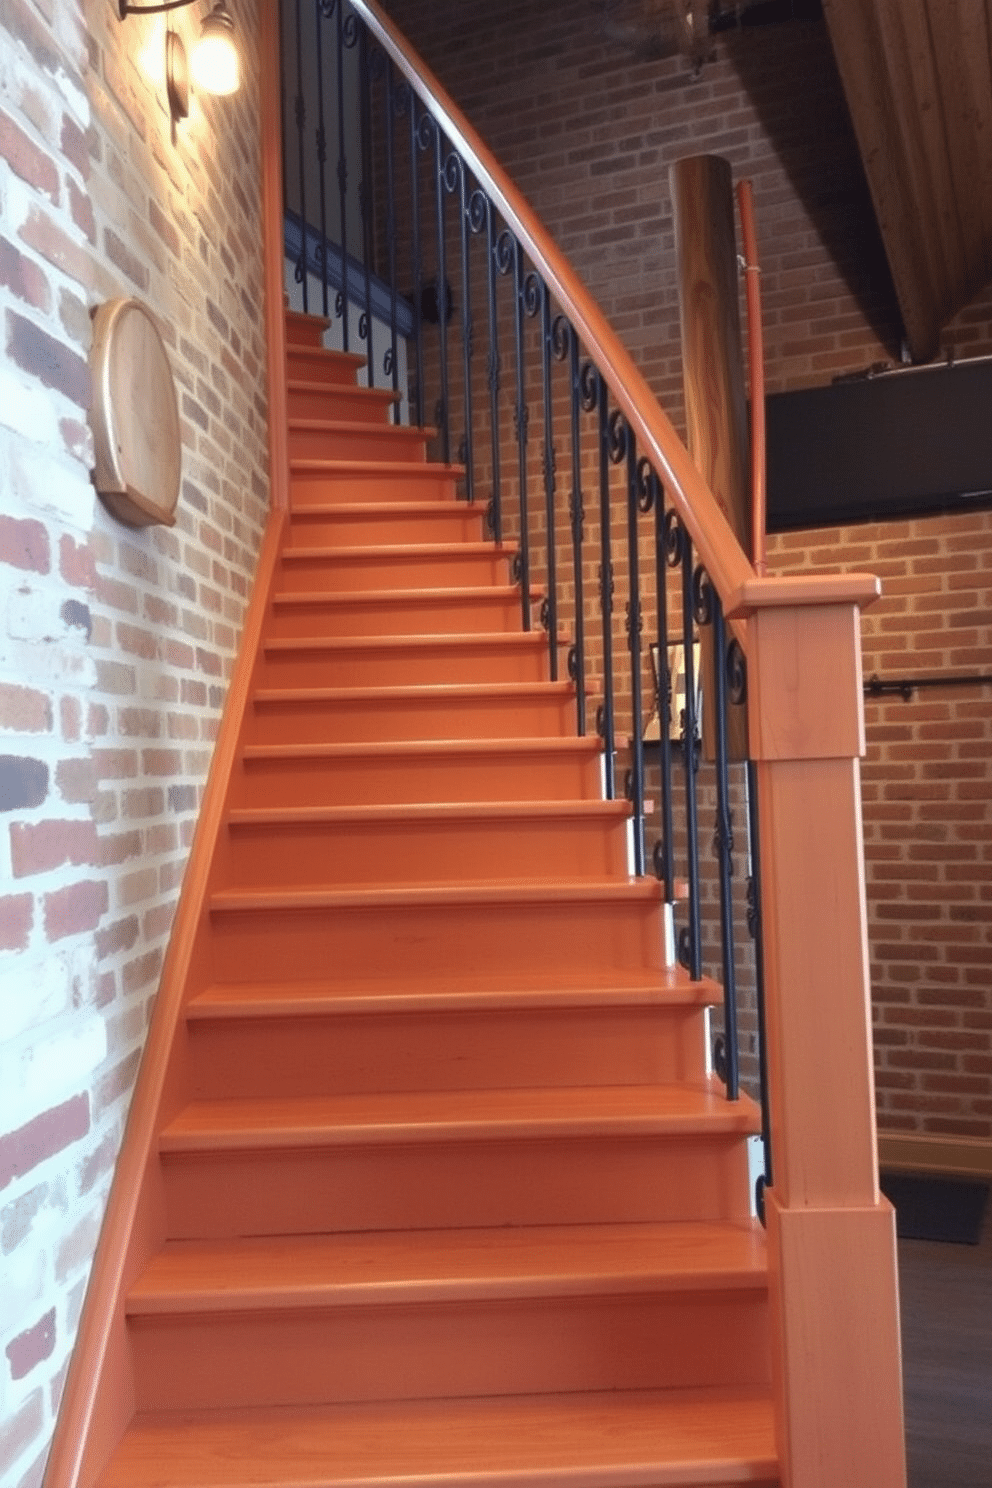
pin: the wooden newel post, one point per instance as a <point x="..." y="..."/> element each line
<point x="831" y="1236"/>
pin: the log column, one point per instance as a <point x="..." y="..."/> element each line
<point x="831" y="1236"/>
<point x="713" y="372"/>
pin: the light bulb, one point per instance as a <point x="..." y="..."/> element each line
<point x="215" y="64"/>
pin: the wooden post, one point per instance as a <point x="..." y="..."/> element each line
<point x="831" y="1236"/>
<point x="713" y="370"/>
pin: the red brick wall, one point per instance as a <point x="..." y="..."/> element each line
<point x="588" y="135"/>
<point x="116" y="644"/>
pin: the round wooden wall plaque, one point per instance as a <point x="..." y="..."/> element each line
<point x="136" y="433"/>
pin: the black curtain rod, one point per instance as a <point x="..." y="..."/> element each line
<point x="904" y="687"/>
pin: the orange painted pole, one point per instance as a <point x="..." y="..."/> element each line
<point x="712" y="371"/>
<point x="756" y="377"/>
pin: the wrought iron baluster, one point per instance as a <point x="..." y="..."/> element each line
<point x="522" y="417"/>
<point x="342" y="169"/>
<point x="392" y="108"/>
<point x="464" y="228"/>
<point x="665" y="860"/>
<point x="536" y="302"/>
<point x="679" y="551"/>
<point x="564" y="343"/>
<point x="634" y="628"/>
<point x="755" y="927"/>
<point x="418" y="270"/>
<point x="301" y="116"/>
<point x="366" y="62"/>
<point x="606" y="720"/>
<point x="283" y="129"/>
<point x="321" y="15"/>
<point x="481" y="216"/>
<point x="440" y="187"/>
<point x="709" y="611"/>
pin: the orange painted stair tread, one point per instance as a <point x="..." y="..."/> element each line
<point x="670" y="1438"/>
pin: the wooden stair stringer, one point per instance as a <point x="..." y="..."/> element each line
<point x="99" y="1396"/>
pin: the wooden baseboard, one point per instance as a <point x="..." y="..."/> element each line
<point x="962" y="1157"/>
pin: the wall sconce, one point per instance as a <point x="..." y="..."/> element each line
<point x="215" y="65"/>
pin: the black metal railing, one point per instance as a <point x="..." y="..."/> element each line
<point x="615" y="568"/>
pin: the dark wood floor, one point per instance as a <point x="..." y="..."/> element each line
<point x="946" y="1295"/>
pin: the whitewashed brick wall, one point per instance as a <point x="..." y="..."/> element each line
<point x="116" y="645"/>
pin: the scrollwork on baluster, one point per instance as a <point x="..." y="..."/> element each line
<point x="561" y="338"/>
<point x="505" y="250"/>
<point x="618" y="436"/>
<point x="736" y="673"/>
<point x="674" y="539"/>
<point x="702" y="596"/>
<point x="532" y="294"/>
<point x="589" y="386"/>
<point x="648" y="486"/>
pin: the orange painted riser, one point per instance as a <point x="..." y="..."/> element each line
<point x="317" y="364"/>
<point x="511" y="710"/>
<point x="347" y="524"/>
<point x="669" y="1439"/>
<point x="320" y="482"/>
<point x="379" y="936"/>
<point x="441" y="1184"/>
<point x="387" y="567"/>
<point x="462" y="1349"/>
<point x="314" y="400"/>
<point x="342" y="1054"/>
<point x="410" y="612"/>
<point x="305" y="330"/>
<point x="340" y="439"/>
<point x="405" y="661"/>
<point x="462" y="770"/>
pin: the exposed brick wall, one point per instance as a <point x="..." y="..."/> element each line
<point x="588" y="135"/>
<point x="116" y="644"/>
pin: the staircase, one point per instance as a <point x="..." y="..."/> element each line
<point x="454" y="1197"/>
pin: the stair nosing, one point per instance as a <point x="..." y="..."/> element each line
<point x="584" y="746"/>
<point x="667" y="987"/>
<point x="322" y="510"/>
<point x="462" y="1117"/>
<point x="357" y="426"/>
<point x="410" y="692"/>
<point x="628" y="890"/>
<point x="376" y="395"/>
<point x="522" y="640"/>
<point x="503" y="593"/>
<point x="387" y="1268"/>
<point x="359" y="551"/>
<point x="417" y="469"/>
<point x="430" y="811"/>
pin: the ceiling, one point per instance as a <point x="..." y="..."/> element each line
<point x="918" y="79"/>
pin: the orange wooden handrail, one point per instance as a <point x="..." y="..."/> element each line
<point x="724" y="558"/>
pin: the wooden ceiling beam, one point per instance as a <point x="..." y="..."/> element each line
<point x="919" y="88"/>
